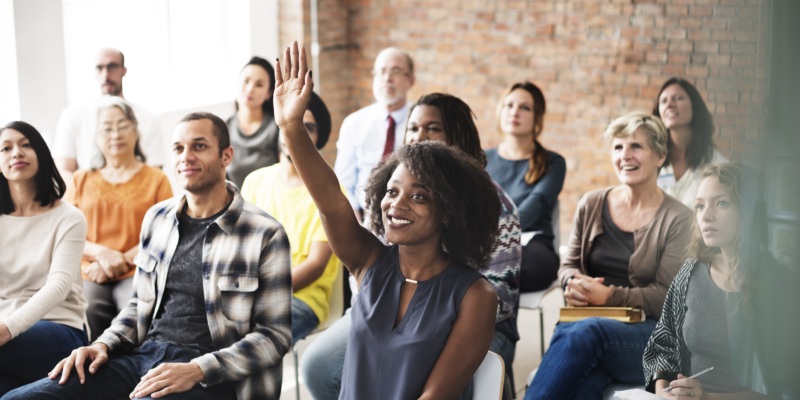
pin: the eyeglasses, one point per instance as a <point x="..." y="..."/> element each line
<point x="392" y="73"/>
<point x="121" y="129"/>
<point x="311" y="127"/>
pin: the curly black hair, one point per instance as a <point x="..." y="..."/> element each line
<point x="459" y="186"/>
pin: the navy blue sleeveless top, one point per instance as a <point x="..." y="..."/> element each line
<point x="393" y="363"/>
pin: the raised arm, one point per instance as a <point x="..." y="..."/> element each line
<point x="352" y="243"/>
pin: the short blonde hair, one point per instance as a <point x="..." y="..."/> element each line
<point x="629" y="124"/>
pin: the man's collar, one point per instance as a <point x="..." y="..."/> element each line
<point x="226" y="221"/>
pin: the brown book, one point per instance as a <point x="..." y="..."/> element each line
<point x="622" y="314"/>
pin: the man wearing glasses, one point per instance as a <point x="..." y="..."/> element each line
<point x="74" y="147"/>
<point x="369" y="134"/>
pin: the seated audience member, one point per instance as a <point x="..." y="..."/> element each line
<point x="691" y="146"/>
<point x="423" y="319"/>
<point x="719" y="303"/>
<point x="280" y="192"/>
<point x="114" y="199"/>
<point x="368" y="135"/>
<point x="41" y="237"/>
<point x="533" y="176"/>
<point x="254" y="135"/>
<point x="216" y="332"/>
<point x="442" y="118"/>
<point x="626" y="246"/>
<point x="73" y="145"/>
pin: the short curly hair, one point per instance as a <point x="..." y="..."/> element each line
<point x="459" y="186"/>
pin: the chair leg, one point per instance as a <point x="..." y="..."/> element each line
<point x="541" y="330"/>
<point x="296" y="373"/>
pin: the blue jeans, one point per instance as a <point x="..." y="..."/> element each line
<point x="304" y="321"/>
<point x="323" y="360"/>
<point x="586" y="356"/>
<point x="32" y="354"/>
<point x="116" y="378"/>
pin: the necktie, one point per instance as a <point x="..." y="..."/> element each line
<point x="389" y="146"/>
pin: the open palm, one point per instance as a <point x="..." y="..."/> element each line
<point x="293" y="86"/>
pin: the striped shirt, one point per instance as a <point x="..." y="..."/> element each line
<point x="247" y="289"/>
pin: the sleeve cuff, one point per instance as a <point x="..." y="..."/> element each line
<point x="211" y="369"/>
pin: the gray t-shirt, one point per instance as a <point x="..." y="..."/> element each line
<point x="181" y="320"/>
<point x="706" y="330"/>
<point x="252" y="152"/>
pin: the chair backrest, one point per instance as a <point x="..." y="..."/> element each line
<point x="336" y="301"/>
<point x="488" y="379"/>
<point x="556" y="223"/>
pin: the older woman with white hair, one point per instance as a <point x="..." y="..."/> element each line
<point x="114" y="197"/>
<point x="626" y="246"/>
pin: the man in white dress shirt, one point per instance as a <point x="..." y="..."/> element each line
<point x="366" y="135"/>
<point x="74" y="143"/>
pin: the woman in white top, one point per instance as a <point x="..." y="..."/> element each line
<point x="691" y="147"/>
<point x="41" y="237"/>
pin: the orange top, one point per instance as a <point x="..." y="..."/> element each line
<point x="114" y="211"/>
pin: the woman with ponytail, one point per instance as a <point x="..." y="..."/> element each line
<point x="532" y="176"/>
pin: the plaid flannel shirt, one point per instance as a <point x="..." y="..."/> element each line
<point x="247" y="288"/>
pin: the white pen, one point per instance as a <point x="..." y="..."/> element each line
<point x="668" y="388"/>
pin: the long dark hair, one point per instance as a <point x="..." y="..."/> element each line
<point x="537" y="164"/>
<point x="48" y="182"/>
<point x="458" y="122"/>
<point x="701" y="148"/>
<point x="266" y="106"/>
<point x="459" y="186"/>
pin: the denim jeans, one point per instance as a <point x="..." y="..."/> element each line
<point x="587" y="355"/>
<point x="322" y="362"/>
<point x="32" y="354"/>
<point x="304" y="321"/>
<point x="116" y="378"/>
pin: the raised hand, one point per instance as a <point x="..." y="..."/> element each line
<point x="293" y="86"/>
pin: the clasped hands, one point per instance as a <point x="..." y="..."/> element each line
<point x="160" y="381"/>
<point x="109" y="264"/>
<point x="584" y="290"/>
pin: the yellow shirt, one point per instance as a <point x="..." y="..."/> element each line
<point x="293" y="207"/>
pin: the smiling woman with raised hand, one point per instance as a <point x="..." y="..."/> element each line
<point x="419" y="305"/>
<point x="41" y="237"/>
<point x="626" y="246"/>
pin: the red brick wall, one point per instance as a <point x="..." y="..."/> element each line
<point x="594" y="59"/>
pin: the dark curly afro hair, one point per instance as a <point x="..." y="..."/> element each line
<point x="460" y="187"/>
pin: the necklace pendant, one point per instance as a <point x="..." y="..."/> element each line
<point x="411" y="281"/>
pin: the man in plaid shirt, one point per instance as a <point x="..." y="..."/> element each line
<point x="212" y="297"/>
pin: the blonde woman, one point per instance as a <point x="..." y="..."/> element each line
<point x="626" y="246"/>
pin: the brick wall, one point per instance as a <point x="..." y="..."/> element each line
<point x="594" y="59"/>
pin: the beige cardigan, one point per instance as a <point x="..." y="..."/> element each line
<point x="659" y="249"/>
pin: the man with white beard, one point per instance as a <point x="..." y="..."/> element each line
<point x="369" y="134"/>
